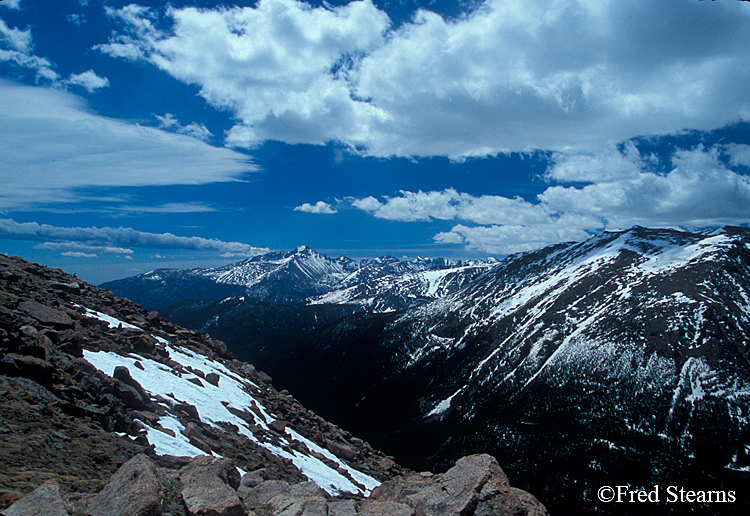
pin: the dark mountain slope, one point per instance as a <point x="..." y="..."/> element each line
<point x="619" y="360"/>
<point x="258" y="332"/>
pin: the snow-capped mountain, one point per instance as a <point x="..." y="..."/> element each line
<point x="278" y="277"/>
<point x="304" y="276"/>
<point x="631" y="348"/>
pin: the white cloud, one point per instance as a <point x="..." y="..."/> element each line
<point x="270" y="65"/>
<point x="369" y="204"/>
<point x="320" y="207"/>
<point x="514" y="75"/>
<point x="193" y="129"/>
<point x="77" y="19"/>
<point x="88" y="80"/>
<point x="740" y="154"/>
<point x="698" y="191"/>
<point x="17" y="47"/>
<point x="509" y="239"/>
<point x="170" y="207"/>
<point x="115" y="240"/>
<point x="11" y="4"/>
<point x="450" y="204"/>
<point x="78" y="250"/>
<point x="52" y="144"/>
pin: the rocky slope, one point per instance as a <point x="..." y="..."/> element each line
<point x="109" y="409"/>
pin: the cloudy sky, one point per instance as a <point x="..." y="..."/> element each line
<point x="143" y="135"/>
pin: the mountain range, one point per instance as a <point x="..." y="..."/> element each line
<point x="107" y="409"/>
<point x="620" y="360"/>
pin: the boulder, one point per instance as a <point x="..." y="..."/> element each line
<point x="188" y="409"/>
<point x="377" y="508"/>
<point x="129" y="396"/>
<point x="341" y="450"/>
<point x="302" y="499"/>
<point x="476" y="486"/>
<point x="278" y="425"/>
<point x="72" y="288"/>
<point x="209" y="487"/>
<point x="133" y="490"/>
<point x="122" y="373"/>
<point x="29" y="367"/>
<point x="45" y="500"/>
<point x="343" y="508"/>
<point x="213" y="379"/>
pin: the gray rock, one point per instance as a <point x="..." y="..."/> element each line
<point x="213" y="379"/>
<point x="133" y="490"/>
<point x="209" y="487"/>
<point x="343" y="508"/>
<point x="45" y="500"/>
<point x="46" y="315"/>
<point x="302" y="499"/>
<point x="377" y="508"/>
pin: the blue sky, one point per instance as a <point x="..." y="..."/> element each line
<point x="195" y="133"/>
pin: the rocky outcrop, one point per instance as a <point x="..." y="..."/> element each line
<point x="210" y="486"/>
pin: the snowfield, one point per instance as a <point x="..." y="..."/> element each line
<point x="213" y="403"/>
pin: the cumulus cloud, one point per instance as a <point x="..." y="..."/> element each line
<point x="280" y="67"/>
<point x="698" y="191"/>
<point x="450" y="204"/>
<point x="509" y="239"/>
<point x="115" y="240"/>
<point x="52" y="145"/>
<point x="88" y="80"/>
<point x="320" y="207"/>
<point x="631" y="192"/>
<point x="17" y="47"/>
<point x="513" y="75"/>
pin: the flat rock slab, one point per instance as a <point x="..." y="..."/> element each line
<point x="46" y="315"/>
<point x="45" y="500"/>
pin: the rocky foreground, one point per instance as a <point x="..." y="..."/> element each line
<point x="107" y="409"/>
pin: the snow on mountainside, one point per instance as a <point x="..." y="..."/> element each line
<point x="628" y="347"/>
<point x="284" y="276"/>
<point x="639" y="304"/>
<point x="305" y="276"/>
<point x="387" y="286"/>
<point x="218" y="402"/>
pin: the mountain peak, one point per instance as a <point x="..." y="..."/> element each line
<point x="303" y="249"/>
